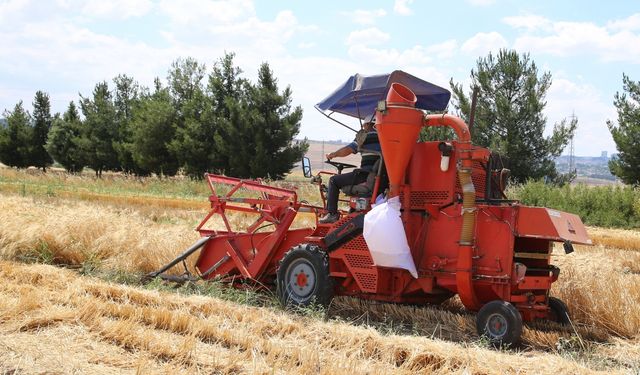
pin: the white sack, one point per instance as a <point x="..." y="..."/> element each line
<point x="384" y="233"/>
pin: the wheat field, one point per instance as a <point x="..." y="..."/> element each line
<point x="63" y="310"/>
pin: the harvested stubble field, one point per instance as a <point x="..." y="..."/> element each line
<point x="71" y="303"/>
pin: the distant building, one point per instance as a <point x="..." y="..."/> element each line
<point x="603" y="155"/>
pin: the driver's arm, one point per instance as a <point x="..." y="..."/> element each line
<point x="347" y="150"/>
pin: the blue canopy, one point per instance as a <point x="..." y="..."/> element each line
<point x="359" y="96"/>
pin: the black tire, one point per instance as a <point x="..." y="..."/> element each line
<point x="559" y="312"/>
<point x="500" y="322"/>
<point x="303" y="277"/>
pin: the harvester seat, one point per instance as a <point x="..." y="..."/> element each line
<point x="365" y="189"/>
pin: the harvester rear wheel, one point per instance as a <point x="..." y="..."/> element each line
<point x="303" y="277"/>
<point x="500" y="322"/>
<point x="559" y="312"/>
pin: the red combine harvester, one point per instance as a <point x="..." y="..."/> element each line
<point x="464" y="236"/>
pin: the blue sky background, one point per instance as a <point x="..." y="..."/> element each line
<point x="64" y="47"/>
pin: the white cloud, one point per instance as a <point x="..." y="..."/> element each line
<point x="443" y="50"/>
<point x="374" y="56"/>
<point x="190" y="12"/>
<point x="283" y="26"/>
<point x="566" y="97"/>
<point x="402" y="7"/>
<point x="306" y="45"/>
<point x="361" y="48"/>
<point x="75" y="54"/>
<point x="121" y="9"/>
<point x="252" y="38"/>
<point x="529" y="22"/>
<point x="9" y="8"/>
<point x="630" y="23"/>
<point x="365" y="17"/>
<point x="390" y="59"/>
<point x="370" y="36"/>
<point x="481" y="3"/>
<point x="616" y="41"/>
<point x="483" y="43"/>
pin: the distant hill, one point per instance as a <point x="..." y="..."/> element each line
<point x="587" y="167"/>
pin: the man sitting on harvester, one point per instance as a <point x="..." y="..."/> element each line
<point x="366" y="142"/>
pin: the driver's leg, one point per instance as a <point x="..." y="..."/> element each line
<point x="333" y="190"/>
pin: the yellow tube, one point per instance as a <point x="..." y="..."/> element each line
<point x="468" y="206"/>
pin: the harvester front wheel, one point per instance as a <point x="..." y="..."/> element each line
<point x="303" y="277"/>
<point x="500" y="322"/>
<point x="559" y="312"/>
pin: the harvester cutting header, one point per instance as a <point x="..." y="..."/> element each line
<point x="442" y="225"/>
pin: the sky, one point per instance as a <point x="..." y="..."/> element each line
<point x="64" y="47"/>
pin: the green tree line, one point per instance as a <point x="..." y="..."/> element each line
<point x="199" y="121"/>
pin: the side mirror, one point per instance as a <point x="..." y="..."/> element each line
<point x="306" y="167"/>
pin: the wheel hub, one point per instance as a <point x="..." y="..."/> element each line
<point x="301" y="279"/>
<point x="497" y="325"/>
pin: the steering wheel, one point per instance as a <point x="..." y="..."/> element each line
<point x="340" y="166"/>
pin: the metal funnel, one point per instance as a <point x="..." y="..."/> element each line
<point x="398" y="129"/>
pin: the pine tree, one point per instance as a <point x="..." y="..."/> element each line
<point x="126" y="95"/>
<point x="66" y="143"/>
<point x="236" y="138"/>
<point x="626" y="134"/>
<point x="509" y="115"/>
<point x="185" y="82"/>
<point x="102" y="129"/>
<point x="153" y="128"/>
<point x="16" y="138"/>
<point x="274" y="125"/>
<point x="41" y="125"/>
<point x="233" y="135"/>
<point x="193" y="142"/>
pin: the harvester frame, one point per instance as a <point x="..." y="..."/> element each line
<point x="493" y="253"/>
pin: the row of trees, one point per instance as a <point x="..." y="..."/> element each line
<point x="222" y="122"/>
<point x="197" y="122"/>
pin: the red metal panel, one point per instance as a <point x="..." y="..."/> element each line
<point x="539" y="222"/>
<point x="428" y="183"/>
<point x="535" y="283"/>
<point x="494" y="242"/>
<point x="355" y="255"/>
<point x="243" y="255"/>
<point x="441" y="241"/>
